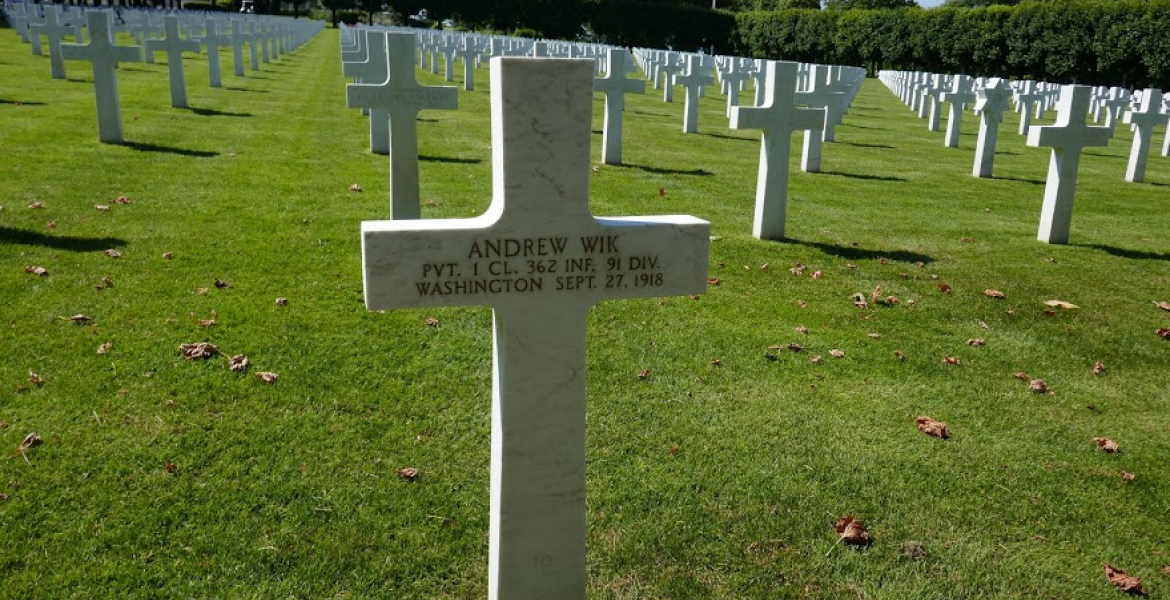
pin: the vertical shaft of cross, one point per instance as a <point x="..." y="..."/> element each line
<point x="1056" y="213"/>
<point x="537" y="540"/>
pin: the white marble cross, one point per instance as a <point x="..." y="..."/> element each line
<point x="104" y="55"/>
<point x="1027" y="97"/>
<point x="818" y="95"/>
<point x="212" y="41"/>
<point x="1143" y="118"/>
<point x="237" y="38"/>
<point x="615" y="86"/>
<point x="958" y="98"/>
<point x="54" y="29"/>
<point x="540" y="259"/>
<point x="992" y="102"/>
<point x="696" y="78"/>
<point x="468" y="54"/>
<point x="778" y="117"/>
<point x="402" y="97"/>
<point x="1067" y="138"/>
<point x="174" y="45"/>
<point x="669" y="69"/>
<point x="373" y="70"/>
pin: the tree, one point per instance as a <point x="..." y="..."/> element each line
<point x="868" y="4"/>
<point x="335" y="5"/>
<point x="370" y="7"/>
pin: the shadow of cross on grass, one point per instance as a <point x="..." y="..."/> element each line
<point x="145" y="147"/>
<point x="20" y="103"/>
<point x="211" y="112"/>
<point x="1127" y="253"/>
<point x="855" y="253"/>
<point x="9" y="235"/>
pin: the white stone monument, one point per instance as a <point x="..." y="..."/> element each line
<point x="174" y="45"/>
<point x="1025" y="99"/>
<point x="1067" y="138"/>
<point x="540" y="259"/>
<point x="373" y="70"/>
<point x="1143" y="118"/>
<point x="992" y="102"/>
<point x="959" y="96"/>
<point x="615" y="86"/>
<point x="695" y="80"/>
<point x="212" y="41"/>
<point x="778" y="117"/>
<point x="104" y="55"/>
<point x="468" y="55"/>
<point x="54" y="29"/>
<point x="402" y="98"/>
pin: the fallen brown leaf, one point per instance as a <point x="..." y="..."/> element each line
<point x="198" y="350"/>
<point x="674" y="450"/>
<point x="36" y="270"/>
<point x="1106" y="445"/>
<point x="876" y="295"/>
<point x="1163" y="305"/>
<point x="802" y="329"/>
<point x="408" y="473"/>
<point x="984" y="325"/>
<point x="644" y="373"/>
<point x="818" y="275"/>
<point x="715" y="362"/>
<point x="1038" y="386"/>
<point x="1060" y="304"/>
<point x="51" y="224"/>
<point x="968" y="240"/>
<point x="170" y="467"/>
<point x="1099" y="368"/>
<point x="852" y="531"/>
<point x="238" y="363"/>
<point x="282" y="301"/>
<point x="106" y="282"/>
<point x="874" y="336"/>
<point x="221" y="284"/>
<point x="122" y="200"/>
<point x="859" y="300"/>
<point x="35" y="379"/>
<point x="355" y="188"/>
<point x="802" y="303"/>
<point x="976" y="342"/>
<point x="207" y="322"/>
<point x="795" y="347"/>
<point x="168" y="255"/>
<point x="934" y="428"/>
<point x="113" y="253"/>
<point x="835" y="353"/>
<point x="267" y="376"/>
<point x="994" y="294"/>
<point x="201" y="291"/>
<point x="3" y="496"/>
<point x="1127" y="583"/>
<point x="30" y="440"/>
<point x="1022" y="376"/>
<point x="798" y="269"/>
<point x="432" y="322"/>
<point x="104" y="348"/>
<point x="1127" y="476"/>
<point x="1163" y="332"/>
<point x="1166" y="570"/>
<point x="951" y="360"/>
<point x="898" y="354"/>
<point x="892" y="300"/>
<point x="713" y="281"/>
<point x="815" y="359"/>
<point x="36" y="205"/>
<point x="944" y="288"/>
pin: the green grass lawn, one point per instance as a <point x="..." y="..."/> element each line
<point x="164" y="478"/>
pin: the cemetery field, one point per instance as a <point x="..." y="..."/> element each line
<point x="726" y="432"/>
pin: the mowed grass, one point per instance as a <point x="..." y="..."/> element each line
<point x="718" y="476"/>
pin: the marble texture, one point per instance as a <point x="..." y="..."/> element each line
<point x="1067" y="138"/>
<point x="212" y="41"/>
<point x="818" y="95"/>
<point x="402" y="97"/>
<point x="104" y="55"/>
<point x="54" y="29"/>
<point x="696" y="78"/>
<point x="174" y="46"/>
<point x="615" y="86"/>
<point x="958" y="97"/>
<point x="991" y="103"/>
<point x="778" y="118"/>
<point x="374" y="69"/>
<point x="539" y="215"/>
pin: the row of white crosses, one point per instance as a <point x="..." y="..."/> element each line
<point x="1067" y="137"/>
<point x="104" y="55"/>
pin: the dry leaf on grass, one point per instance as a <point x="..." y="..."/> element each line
<point x="102" y="207"/>
<point x="644" y="373"/>
<point x="168" y="255"/>
<point x="122" y="200"/>
<point x="802" y="329"/>
<point x="1166" y="570"/>
<point x="1127" y="476"/>
<point x="1060" y="304"/>
<point x="859" y="300"/>
<point x="221" y="284"/>
<point x="1038" y="386"/>
<point x="798" y="269"/>
<point x="106" y="282"/>
<point x="815" y="359"/>
<point x="898" y="354"/>
<point x="1163" y="305"/>
<point x="113" y="253"/>
<point x="951" y="360"/>
<point x="36" y="205"/>
<point x="852" y="531"/>
<point x="238" y="363"/>
<point x="795" y="347"/>
<point x="994" y="294"/>
<point x="835" y="353"/>
<point x="201" y="291"/>
<point x="876" y="295"/>
<point x="282" y="301"/>
<point x="713" y="281"/>
<point x="80" y="319"/>
<point x="934" y="428"/>
<point x="30" y="440"/>
<point x="818" y="275"/>
<point x="1105" y="444"/>
<point x="35" y="379"/>
<point x="104" y="348"/>
<point x="1127" y="583"/>
<point x="3" y="496"/>
<point x="51" y="224"/>
<point x="408" y="473"/>
<point x="874" y="336"/>
<point x="198" y="350"/>
<point x="1163" y="332"/>
<point x="267" y="376"/>
<point x="1099" y="368"/>
<point x="36" y="270"/>
<point x="892" y="300"/>
<point x="1022" y="376"/>
<point x="944" y="288"/>
<point x="976" y="342"/>
<point x="432" y="322"/>
<point x="355" y="188"/>
<point x="207" y="322"/>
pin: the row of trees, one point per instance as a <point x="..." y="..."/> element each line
<point x="1097" y="42"/>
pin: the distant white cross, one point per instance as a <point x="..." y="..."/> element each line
<point x="104" y="55"/>
<point x="615" y="86"/>
<point x="174" y="45"/>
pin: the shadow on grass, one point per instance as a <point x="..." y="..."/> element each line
<point x="76" y="80"/>
<point x="449" y="159"/>
<point x="20" y="103"/>
<point x="1127" y="253"/>
<point x="865" y="177"/>
<point x="730" y="137"/>
<point x="427" y="120"/>
<point x="211" y="112"/>
<point x="853" y="253"/>
<point x="863" y="127"/>
<point x="1006" y="153"/>
<point x="259" y="77"/>
<point x="661" y="171"/>
<point x="145" y="147"/>
<point x="9" y="235"/>
<point x="651" y="114"/>
<point x="1105" y="155"/>
<point x="240" y="89"/>
<point x="133" y="70"/>
<point x="1020" y="179"/>
<point x="855" y="144"/>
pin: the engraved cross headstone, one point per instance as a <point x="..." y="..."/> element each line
<point x="958" y="98"/>
<point x="992" y="102"/>
<point x="1143" y="118"/>
<point x="212" y="41"/>
<point x="615" y="86"/>
<point x="402" y="97"/>
<point x="696" y="78"/>
<point x="174" y="45"/>
<point x="540" y="259"/>
<point x="373" y="70"/>
<point x="778" y="117"/>
<point x="1067" y="138"/>
<point x="54" y="29"/>
<point x="104" y="55"/>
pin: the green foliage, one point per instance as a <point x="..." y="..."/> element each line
<point x="868" y="4"/>
<point x="349" y="17"/>
<point x="206" y="6"/>
<point x="656" y="24"/>
<point x="334" y="6"/>
<point x="1096" y="42"/>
